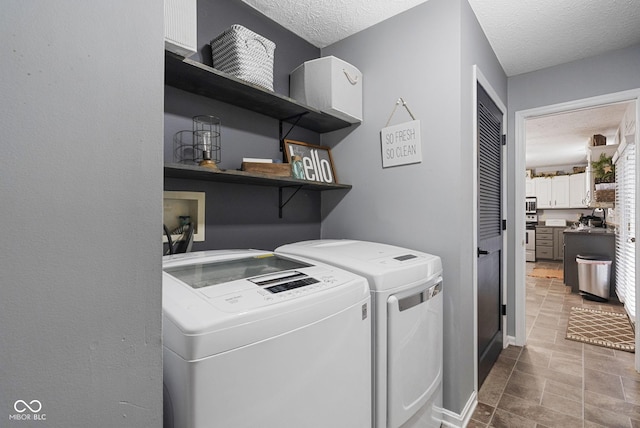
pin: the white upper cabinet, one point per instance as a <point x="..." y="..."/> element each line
<point x="560" y="191"/>
<point x="578" y="191"/>
<point x="543" y="192"/>
<point x="530" y="187"/>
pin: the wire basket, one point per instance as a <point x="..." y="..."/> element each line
<point x="201" y="145"/>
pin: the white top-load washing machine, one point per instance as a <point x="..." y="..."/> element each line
<point x="254" y="339"/>
<point x="407" y="313"/>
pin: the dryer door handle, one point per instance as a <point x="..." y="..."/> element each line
<point x="422" y="296"/>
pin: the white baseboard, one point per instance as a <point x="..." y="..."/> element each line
<point x="454" y="420"/>
<point x="510" y="340"/>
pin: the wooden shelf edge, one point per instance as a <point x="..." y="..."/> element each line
<point x="241" y="177"/>
<point x="201" y="79"/>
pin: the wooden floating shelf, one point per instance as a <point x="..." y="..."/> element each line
<point x="242" y="177"/>
<point x="195" y="77"/>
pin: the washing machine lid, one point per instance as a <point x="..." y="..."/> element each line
<point x="385" y="266"/>
<point x="214" y="301"/>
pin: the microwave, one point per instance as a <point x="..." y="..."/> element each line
<point x="530" y="205"/>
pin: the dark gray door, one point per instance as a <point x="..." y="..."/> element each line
<point x="489" y="234"/>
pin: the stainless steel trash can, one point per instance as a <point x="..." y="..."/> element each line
<point x="594" y="274"/>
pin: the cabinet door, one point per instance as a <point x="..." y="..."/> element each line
<point x="530" y="187"/>
<point x="560" y="191"/>
<point x="578" y="190"/>
<point x="558" y="243"/>
<point x="543" y="191"/>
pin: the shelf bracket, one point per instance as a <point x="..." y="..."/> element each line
<point x="281" y="204"/>
<point x="283" y="137"/>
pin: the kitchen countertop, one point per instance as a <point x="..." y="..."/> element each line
<point x="591" y="230"/>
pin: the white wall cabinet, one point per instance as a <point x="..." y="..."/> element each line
<point x="560" y="191"/>
<point x="543" y="192"/>
<point x="530" y="187"/>
<point x="563" y="191"/>
<point x="578" y="191"/>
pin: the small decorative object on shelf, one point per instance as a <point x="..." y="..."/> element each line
<point x="183" y="150"/>
<point x="603" y="169"/>
<point x="206" y="133"/>
<point x="317" y="163"/>
<point x="201" y="145"/>
<point x="598" y="140"/>
<point x="297" y="168"/>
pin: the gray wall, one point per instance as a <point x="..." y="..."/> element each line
<point x="240" y="216"/>
<point x="81" y="183"/>
<point x="424" y="55"/>
<point x="600" y="75"/>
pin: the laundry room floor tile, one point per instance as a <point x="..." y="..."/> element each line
<point x="555" y="382"/>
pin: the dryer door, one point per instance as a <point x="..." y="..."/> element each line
<point x="414" y="350"/>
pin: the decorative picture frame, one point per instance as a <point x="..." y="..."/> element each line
<point x="316" y="161"/>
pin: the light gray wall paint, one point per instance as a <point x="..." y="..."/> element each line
<point x="81" y="192"/>
<point x="608" y="73"/>
<point x="425" y="56"/>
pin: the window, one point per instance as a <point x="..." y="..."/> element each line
<point x="625" y="236"/>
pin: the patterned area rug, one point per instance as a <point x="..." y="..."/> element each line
<point x="547" y="273"/>
<point x="608" y="329"/>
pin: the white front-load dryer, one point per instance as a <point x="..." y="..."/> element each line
<point x="254" y="339"/>
<point x="407" y="300"/>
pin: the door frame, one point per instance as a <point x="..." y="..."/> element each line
<point x="479" y="78"/>
<point x="520" y="166"/>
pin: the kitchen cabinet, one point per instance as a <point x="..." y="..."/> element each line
<point x="544" y="243"/>
<point x="558" y="243"/>
<point x="552" y="192"/>
<point x="549" y="243"/>
<point x="560" y="191"/>
<point x="597" y="241"/>
<point x="530" y="187"/>
<point x="198" y="78"/>
<point x="578" y="190"/>
<point x="543" y="192"/>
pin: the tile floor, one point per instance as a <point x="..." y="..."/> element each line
<point x="554" y="382"/>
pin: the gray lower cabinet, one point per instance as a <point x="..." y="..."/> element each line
<point x="558" y="243"/>
<point x="549" y="243"/>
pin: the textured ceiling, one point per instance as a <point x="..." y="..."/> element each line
<point x="323" y="22"/>
<point x="561" y="139"/>
<point x="529" y="35"/>
<point x="526" y="35"/>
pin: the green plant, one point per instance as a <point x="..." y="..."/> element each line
<point x="603" y="169"/>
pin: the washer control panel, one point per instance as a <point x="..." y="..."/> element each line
<point x="281" y="287"/>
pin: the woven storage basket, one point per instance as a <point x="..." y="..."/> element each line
<point x="245" y="55"/>
<point x="608" y="195"/>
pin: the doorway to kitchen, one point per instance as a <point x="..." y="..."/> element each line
<point x="521" y="118"/>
